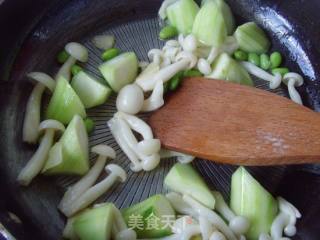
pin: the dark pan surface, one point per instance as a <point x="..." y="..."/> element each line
<point x="293" y="27"/>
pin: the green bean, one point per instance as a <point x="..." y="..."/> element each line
<point x="240" y="55"/>
<point x="275" y="59"/>
<point x="75" y="69"/>
<point x="254" y="58"/>
<point x="62" y="56"/>
<point x="175" y="81"/>
<point x="282" y="71"/>
<point x="110" y="53"/>
<point x="192" y="73"/>
<point x="89" y="124"/>
<point x="265" y="61"/>
<point x="168" y="32"/>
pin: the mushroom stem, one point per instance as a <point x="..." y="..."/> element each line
<point x="155" y="101"/>
<point x="115" y="130"/>
<point x="274" y="80"/>
<point x="181" y="157"/>
<point x="65" y="70"/>
<point x="93" y="193"/>
<point x="179" y="205"/>
<point x="206" y="228"/>
<point x="120" y="231"/>
<point x="74" y="192"/>
<point x="293" y="93"/>
<point x="222" y="207"/>
<point x="212" y="217"/>
<point x="32" y="115"/>
<point x="163" y="75"/>
<point x="278" y="225"/>
<point x="38" y="160"/>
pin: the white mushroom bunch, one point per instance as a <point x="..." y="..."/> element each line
<point x="83" y="193"/>
<point x="211" y="225"/>
<point x="39" y="158"/>
<point x="143" y="154"/>
<point x="285" y="221"/>
<point x="293" y="80"/>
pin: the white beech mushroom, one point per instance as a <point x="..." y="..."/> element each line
<point x="77" y="52"/>
<point x="184" y="55"/>
<point x="164" y="74"/>
<point x="149" y="146"/>
<point x="206" y="228"/>
<point x="31" y="121"/>
<point x="155" y="100"/>
<point x="39" y="158"/>
<point x="181" y="157"/>
<point x="204" y="66"/>
<point x="116" y="173"/>
<point x="286" y="220"/>
<point x="238" y="224"/>
<point x="166" y="61"/>
<point x="115" y="130"/>
<point x="74" y="192"/>
<point x="103" y="42"/>
<point x="216" y="235"/>
<point x="130" y="99"/>
<point x="212" y="217"/>
<point x="293" y="80"/>
<point x="120" y="230"/>
<point x="179" y="205"/>
<point x="155" y="55"/>
<point x="190" y="43"/>
<point x="147" y="74"/>
<point x="274" y="80"/>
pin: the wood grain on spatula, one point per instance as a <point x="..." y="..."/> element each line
<point x="235" y="124"/>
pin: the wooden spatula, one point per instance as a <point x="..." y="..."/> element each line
<point x="235" y="124"/>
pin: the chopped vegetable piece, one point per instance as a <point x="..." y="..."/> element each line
<point x="110" y="53"/>
<point x="240" y="55"/>
<point x="209" y="26"/>
<point x="168" y="32"/>
<point x="75" y="69"/>
<point x="192" y="73"/>
<point x="227" y="15"/>
<point x="120" y="70"/>
<point x="184" y="179"/>
<point x="95" y="223"/>
<point x="181" y="15"/>
<point x="91" y="92"/>
<point x="251" y="200"/>
<point x="62" y="56"/>
<point x="275" y="59"/>
<point x="282" y="71"/>
<point x="155" y="207"/>
<point x="70" y="154"/>
<point x="265" y="61"/>
<point x="166" y="87"/>
<point x="89" y="124"/>
<point x="226" y="68"/>
<point x="254" y="58"/>
<point x="64" y="103"/>
<point x="252" y="38"/>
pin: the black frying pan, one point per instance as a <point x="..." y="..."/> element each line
<point x="32" y="32"/>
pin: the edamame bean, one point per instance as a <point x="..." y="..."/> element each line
<point x="240" y="55"/>
<point x="62" y="57"/>
<point x="110" y="53"/>
<point x="168" y="32"/>
<point x="275" y="59"/>
<point x="192" y="73"/>
<point x="254" y="58"/>
<point x="265" y="61"/>
<point x="75" y="69"/>
<point x="89" y="124"/>
<point x="282" y="71"/>
<point x="166" y="87"/>
<point x="175" y="81"/>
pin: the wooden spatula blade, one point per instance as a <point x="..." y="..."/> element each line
<point x="235" y="124"/>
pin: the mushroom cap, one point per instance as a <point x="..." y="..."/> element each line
<point x="130" y="99"/>
<point x="239" y="225"/>
<point x="149" y="146"/>
<point x="117" y="170"/>
<point x="190" y="43"/>
<point x="42" y="78"/>
<point x="291" y="75"/>
<point x="78" y="51"/>
<point x="51" y="124"/>
<point x="104" y="150"/>
<point x="191" y="58"/>
<point x="151" y="162"/>
<point x="216" y="235"/>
